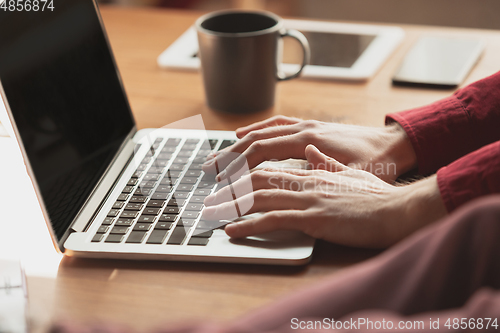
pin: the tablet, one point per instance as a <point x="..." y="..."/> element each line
<point x="338" y="50"/>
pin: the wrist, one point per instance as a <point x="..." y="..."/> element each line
<point x="398" y="150"/>
<point x="421" y="203"/>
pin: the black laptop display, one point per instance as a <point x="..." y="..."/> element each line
<point x="68" y="103"/>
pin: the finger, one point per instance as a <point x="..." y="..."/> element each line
<point x="318" y="160"/>
<point x="280" y="148"/>
<point x="259" y="201"/>
<point x="273" y="121"/>
<point x="224" y="157"/>
<point x="277" y="220"/>
<point x="258" y="180"/>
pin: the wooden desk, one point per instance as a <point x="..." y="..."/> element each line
<point x="147" y="294"/>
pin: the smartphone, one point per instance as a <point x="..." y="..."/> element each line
<point x="438" y="62"/>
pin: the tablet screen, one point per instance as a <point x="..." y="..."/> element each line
<point x="328" y="49"/>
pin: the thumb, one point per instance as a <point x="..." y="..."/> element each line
<point x="318" y="160"/>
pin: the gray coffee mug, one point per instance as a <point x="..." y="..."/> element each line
<point x="239" y="52"/>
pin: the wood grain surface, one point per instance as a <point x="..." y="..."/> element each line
<point x="143" y="295"/>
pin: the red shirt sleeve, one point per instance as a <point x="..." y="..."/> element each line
<point x="471" y="176"/>
<point x="446" y="130"/>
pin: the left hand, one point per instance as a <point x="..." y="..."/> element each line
<point x="350" y="207"/>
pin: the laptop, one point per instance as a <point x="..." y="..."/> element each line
<point x="107" y="190"/>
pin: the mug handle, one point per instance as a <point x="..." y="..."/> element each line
<point x="306" y="52"/>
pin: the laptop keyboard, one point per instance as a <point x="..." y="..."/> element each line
<point x="162" y="201"/>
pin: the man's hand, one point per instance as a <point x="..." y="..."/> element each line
<point x="349" y="207"/>
<point x="385" y="152"/>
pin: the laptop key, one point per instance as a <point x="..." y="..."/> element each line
<point x="151" y="211"/>
<point x="123" y="197"/>
<point x="156" y="203"/>
<point x="189" y="180"/>
<point x="169" y="149"/>
<point x="163" y="226"/>
<point x="202" y="233"/>
<point x="129" y="214"/>
<point x="178" y="236"/>
<point x="189" y="146"/>
<point x="173" y="174"/>
<point x="136" y="237"/>
<point x="168" y="218"/>
<point x="147" y="184"/>
<point x="157" y="237"/>
<point x="172" y="210"/>
<point x="124" y="222"/>
<point x="142" y="227"/>
<point x="137" y="174"/>
<point x="156" y="170"/>
<point x="164" y="188"/>
<point x="192" y="141"/>
<point x="180" y="195"/>
<point x="193" y="174"/>
<point x="132" y="181"/>
<point x="197" y="199"/>
<point x="185" y="222"/>
<point x="185" y="153"/>
<point x="143" y="191"/>
<point x="160" y="163"/>
<point x="114" y="238"/>
<point x="128" y="189"/>
<point x="108" y="221"/>
<point x="194" y="207"/>
<point x="146" y="219"/>
<point x="176" y="202"/>
<point x="97" y="238"/>
<point x="181" y="160"/>
<point x="177" y="167"/>
<point x="138" y="199"/>
<point x="151" y="176"/>
<point x="164" y="156"/>
<point x="102" y="229"/>
<point x="113" y="212"/>
<point x="190" y="215"/>
<point x="119" y="230"/>
<point x="118" y="205"/>
<point x="198" y="241"/>
<point x="210" y="225"/>
<point x="134" y="206"/>
<point x="226" y="143"/>
<point x="185" y="188"/>
<point x="173" y="142"/>
<point x="202" y="192"/>
<point x="160" y="196"/>
<point x="196" y="166"/>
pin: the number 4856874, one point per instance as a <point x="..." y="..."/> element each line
<point x="27" y="5"/>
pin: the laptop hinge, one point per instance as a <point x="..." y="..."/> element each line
<point x="103" y="189"/>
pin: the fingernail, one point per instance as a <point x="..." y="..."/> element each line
<point x="208" y="211"/>
<point x="208" y="200"/>
<point x="231" y="228"/>
<point x="221" y="176"/>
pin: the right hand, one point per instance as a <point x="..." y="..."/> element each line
<point x="384" y="151"/>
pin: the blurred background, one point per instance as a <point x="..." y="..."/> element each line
<point x="456" y="13"/>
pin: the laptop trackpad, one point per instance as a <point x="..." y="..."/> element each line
<point x="280" y="239"/>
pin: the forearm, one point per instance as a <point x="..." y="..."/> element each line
<point x="396" y="151"/>
<point x="414" y="207"/>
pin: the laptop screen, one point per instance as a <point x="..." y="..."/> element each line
<point x="66" y="97"/>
